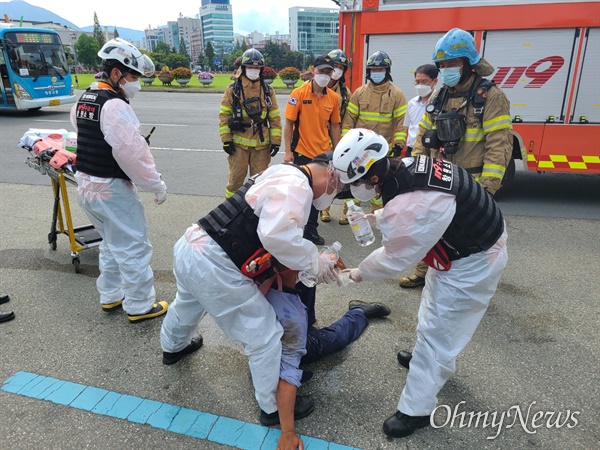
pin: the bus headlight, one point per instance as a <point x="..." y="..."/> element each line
<point x="21" y="93"/>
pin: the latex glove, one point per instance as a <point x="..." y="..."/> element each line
<point x="160" y="197"/>
<point x="372" y="220"/>
<point x="229" y="147"/>
<point x="327" y="272"/>
<point x="274" y="149"/>
<point x="354" y="274"/>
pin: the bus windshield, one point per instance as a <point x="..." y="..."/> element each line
<point x="36" y="54"/>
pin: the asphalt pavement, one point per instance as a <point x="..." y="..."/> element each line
<point x="532" y="365"/>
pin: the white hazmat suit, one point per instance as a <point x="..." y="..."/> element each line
<point x="116" y="212"/>
<point x="209" y="282"/>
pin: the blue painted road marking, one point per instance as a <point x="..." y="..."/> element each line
<point x="176" y="419"/>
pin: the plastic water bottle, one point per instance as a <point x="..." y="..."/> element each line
<point x="333" y="252"/>
<point x="360" y="225"/>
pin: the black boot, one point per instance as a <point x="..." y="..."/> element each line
<point x="311" y="234"/>
<point x="402" y="425"/>
<point x="304" y="406"/>
<point x="371" y="310"/>
<point x="404" y="359"/>
<point x="6" y="316"/>
<point x="172" y="358"/>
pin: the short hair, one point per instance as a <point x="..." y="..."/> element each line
<point x="428" y="69"/>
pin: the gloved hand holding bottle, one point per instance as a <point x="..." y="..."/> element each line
<point x="328" y="256"/>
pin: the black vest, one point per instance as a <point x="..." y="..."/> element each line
<point x="233" y="225"/>
<point x="94" y="155"/>
<point x="477" y="223"/>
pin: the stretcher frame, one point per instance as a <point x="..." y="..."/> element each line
<point x="80" y="238"/>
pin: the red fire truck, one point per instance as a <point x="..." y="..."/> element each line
<point x="546" y="55"/>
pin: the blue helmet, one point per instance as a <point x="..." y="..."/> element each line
<point x="456" y="43"/>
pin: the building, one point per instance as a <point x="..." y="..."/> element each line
<point x="217" y="26"/>
<point x="313" y="29"/>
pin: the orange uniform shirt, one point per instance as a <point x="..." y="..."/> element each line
<point x="312" y="115"/>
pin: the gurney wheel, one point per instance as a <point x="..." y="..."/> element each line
<point x="76" y="264"/>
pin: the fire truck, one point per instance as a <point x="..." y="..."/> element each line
<point x="546" y="56"/>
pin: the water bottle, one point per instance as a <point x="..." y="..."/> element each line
<point x="360" y="225"/>
<point x="333" y="252"/>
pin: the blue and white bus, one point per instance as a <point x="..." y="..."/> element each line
<point x="33" y="69"/>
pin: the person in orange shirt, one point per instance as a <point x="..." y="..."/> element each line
<point x="312" y="127"/>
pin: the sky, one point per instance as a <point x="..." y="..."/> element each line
<point x="265" y="16"/>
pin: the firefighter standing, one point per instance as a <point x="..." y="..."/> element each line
<point x="249" y="122"/>
<point x="379" y="106"/>
<point x="469" y="101"/>
<point x="337" y="84"/>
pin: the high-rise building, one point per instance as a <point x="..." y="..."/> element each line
<point x="217" y="26"/>
<point x="313" y="29"/>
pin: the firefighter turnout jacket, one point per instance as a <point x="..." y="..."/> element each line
<point x="486" y="147"/>
<point x="380" y="108"/>
<point x="250" y="136"/>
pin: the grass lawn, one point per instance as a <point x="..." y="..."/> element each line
<point x="220" y="82"/>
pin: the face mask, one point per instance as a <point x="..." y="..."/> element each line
<point x="324" y="201"/>
<point x="252" y="74"/>
<point x="322" y="80"/>
<point x="362" y="192"/>
<point x="130" y="88"/>
<point x="377" y="77"/>
<point x="337" y="74"/>
<point x="450" y="76"/>
<point x="422" y="90"/>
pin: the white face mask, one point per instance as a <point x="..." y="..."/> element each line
<point x="321" y="79"/>
<point x="337" y="74"/>
<point x="324" y="201"/>
<point x="363" y="192"/>
<point x="422" y="90"/>
<point x="130" y="88"/>
<point x="252" y="74"/>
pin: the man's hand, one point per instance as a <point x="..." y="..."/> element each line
<point x="229" y="147"/>
<point x="354" y="274"/>
<point x="289" y="441"/>
<point x="274" y="149"/>
<point x="327" y="272"/>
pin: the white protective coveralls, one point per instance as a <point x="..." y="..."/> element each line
<point x="209" y="282"/>
<point x="453" y="302"/>
<point x="116" y="212"/>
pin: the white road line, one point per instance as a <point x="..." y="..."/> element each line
<point x="143" y="124"/>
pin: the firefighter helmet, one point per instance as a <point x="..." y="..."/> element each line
<point x="456" y="43"/>
<point x="253" y="57"/>
<point x="118" y="49"/>
<point x="339" y="57"/>
<point x="356" y="152"/>
<point x="379" y="60"/>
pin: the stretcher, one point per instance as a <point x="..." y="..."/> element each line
<point x="49" y="157"/>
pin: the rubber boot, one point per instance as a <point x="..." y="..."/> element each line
<point x="344" y="219"/>
<point x="325" y="217"/>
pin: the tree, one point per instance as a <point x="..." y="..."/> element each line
<point x="182" y="48"/>
<point x="176" y="60"/>
<point x="86" y="49"/>
<point x="273" y="54"/>
<point x="116" y="33"/>
<point x="98" y="34"/>
<point x="209" y="52"/>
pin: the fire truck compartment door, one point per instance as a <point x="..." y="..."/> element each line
<point x="533" y="69"/>
<point x="587" y="97"/>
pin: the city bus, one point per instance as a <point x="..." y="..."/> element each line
<point x="33" y="69"/>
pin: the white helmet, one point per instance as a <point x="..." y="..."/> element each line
<point x="356" y="152"/>
<point x="128" y="55"/>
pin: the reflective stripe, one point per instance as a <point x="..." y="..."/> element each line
<point x="425" y="122"/>
<point x="228" y="193"/>
<point x="224" y="130"/>
<point x="473" y="135"/>
<point x="374" y="117"/>
<point x="399" y="112"/>
<point x="225" y="110"/>
<point x="273" y="113"/>
<point x="249" y="142"/>
<point x="352" y="108"/>
<point x="497" y="123"/>
<point x="400" y="136"/>
<point x="344" y="131"/>
<point x="275" y="132"/>
<point x="493" y="171"/>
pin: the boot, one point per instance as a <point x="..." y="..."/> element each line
<point x="344" y="219"/>
<point x="325" y="217"/>
<point x="404" y="358"/>
<point x="402" y="425"/>
<point x="412" y="281"/>
<point x="303" y="407"/>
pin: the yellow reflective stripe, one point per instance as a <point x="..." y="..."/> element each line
<point x="591" y="159"/>
<point x="276" y="132"/>
<point x="473" y="135"/>
<point x="400" y="136"/>
<point x="352" y="108"/>
<point x="493" y="171"/>
<point x="344" y="131"/>
<point x="399" y="112"/>
<point x="374" y="117"/>
<point x="228" y="193"/>
<point x="377" y="201"/>
<point x="224" y="130"/>
<point x="249" y="142"/>
<point x="497" y="123"/>
<point x="273" y="113"/>
<point x="578" y="165"/>
<point x="425" y="122"/>
<point x="225" y="110"/>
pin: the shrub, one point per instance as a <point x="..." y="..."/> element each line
<point x="289" y="73"/>
<point x="269" y="72"/>
<point x="181" y="73"/>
